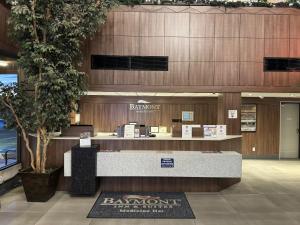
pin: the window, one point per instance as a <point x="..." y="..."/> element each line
<point x="281" y="65"/>
<point x="9" y="141"/>
<point x="110" y="62"/>
<point x="154" y="63"/>
<point x="146" y="63"/>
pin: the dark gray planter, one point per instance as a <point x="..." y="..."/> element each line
<point x="39" y="187"/>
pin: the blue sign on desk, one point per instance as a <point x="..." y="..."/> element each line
<point x="167" y="163"/>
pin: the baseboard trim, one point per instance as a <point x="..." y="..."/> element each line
<point x="260" y="157"/>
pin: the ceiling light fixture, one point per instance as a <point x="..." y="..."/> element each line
<point x="142" y="102"/>
<point x="3" y="63"/>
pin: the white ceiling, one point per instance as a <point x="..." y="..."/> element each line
<point x="169" y="94"/>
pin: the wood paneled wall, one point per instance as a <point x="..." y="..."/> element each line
<point x="5" y="42"/>
<point x="106" y="113"/>
<point x="230" y="101"/>
<point x="209" y="48"/>
<point x="267" y="135"/>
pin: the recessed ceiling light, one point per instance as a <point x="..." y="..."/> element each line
<point x="3" y="63"/>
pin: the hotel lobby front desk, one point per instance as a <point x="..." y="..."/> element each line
<point x="204" y="164"/>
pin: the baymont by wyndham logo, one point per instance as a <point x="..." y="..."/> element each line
<point x="144" y="107"/>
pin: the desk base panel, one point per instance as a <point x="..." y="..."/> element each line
<point x="160" y="184"/>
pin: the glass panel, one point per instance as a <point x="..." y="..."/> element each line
<point x="8" y="137"/>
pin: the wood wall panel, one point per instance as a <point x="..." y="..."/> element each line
<point x="101" y="77"/>
<point x="153" y="77"/>
<point x="127" y="23"/>
<point x="87" y="115"/>
<point x="118" y="23"/>
<point x="227" y="49"/>
<point x="102" y="116"/>
<point x="294" y="78"/>
<point x="202" y="25"/>
<point x="251" y="50"/>
<point x="108" y="27"/>
<point x="226" y="73"/>
<point x="177" y="48"/>
<point x="266" y="137"/>
<point x="152" y="46"/>
<point x="278" y="79"/>
<point x="192" y="34"/>
<point x="202" y="49"/>
<point x="201" y="73"/>
<point x="118" y="115"/>
<point x="227" y="25"/>
<point x="251" y="74"/>
<point x="179" y="21"/>
<point x="107" y="113"/>
<point x="102" y="45"/>
<point x="295" y="48"/>
<point x="230" y="101"/>
<point x="125" y="45"/>
<point x="152" y="24"/>
<point x="252" y="26"/>
<point x="5" y="41"/>
<point x="294" y="26"/>
<point x="151" y="118"/>
<point x="277" y="26"/>
<point x="179" y="73"/>
<point x="166" y="184"/>
<point x="277" y="48"/>
<point x="126" y="77"/>
<point x="131" y="24"/>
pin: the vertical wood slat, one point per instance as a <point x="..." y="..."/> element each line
<point x="230" y="101"/>
<point x="266" y="138"/>
<point x="191" y="37"/>
<point x="107" y="116"/>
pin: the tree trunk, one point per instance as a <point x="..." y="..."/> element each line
<point x="38" y="152"/>
<point x="44" y="159"/>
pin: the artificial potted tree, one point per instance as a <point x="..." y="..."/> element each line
<point x="49" y="35"/>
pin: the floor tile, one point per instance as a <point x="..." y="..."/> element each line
<point x="268" y="219"/>
<point x="63" y="218"/>
<point x="220" y="219"/>
<point x="268" y="194"/>
<point x="251" y="203"/>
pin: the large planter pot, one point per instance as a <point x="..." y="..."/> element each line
<point x="39" y="187"/>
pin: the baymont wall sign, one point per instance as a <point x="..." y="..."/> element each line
<point x="144" y="107"/>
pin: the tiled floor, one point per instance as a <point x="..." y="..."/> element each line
<point x="269" y="194"/>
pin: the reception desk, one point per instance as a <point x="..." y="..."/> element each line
<point x="126" y="168"/>
<point x="136" y="163"/>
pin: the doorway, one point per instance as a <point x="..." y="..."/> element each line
<point x="289" y="131"/>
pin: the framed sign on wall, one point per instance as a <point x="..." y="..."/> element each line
<point x="187" y="116"/>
